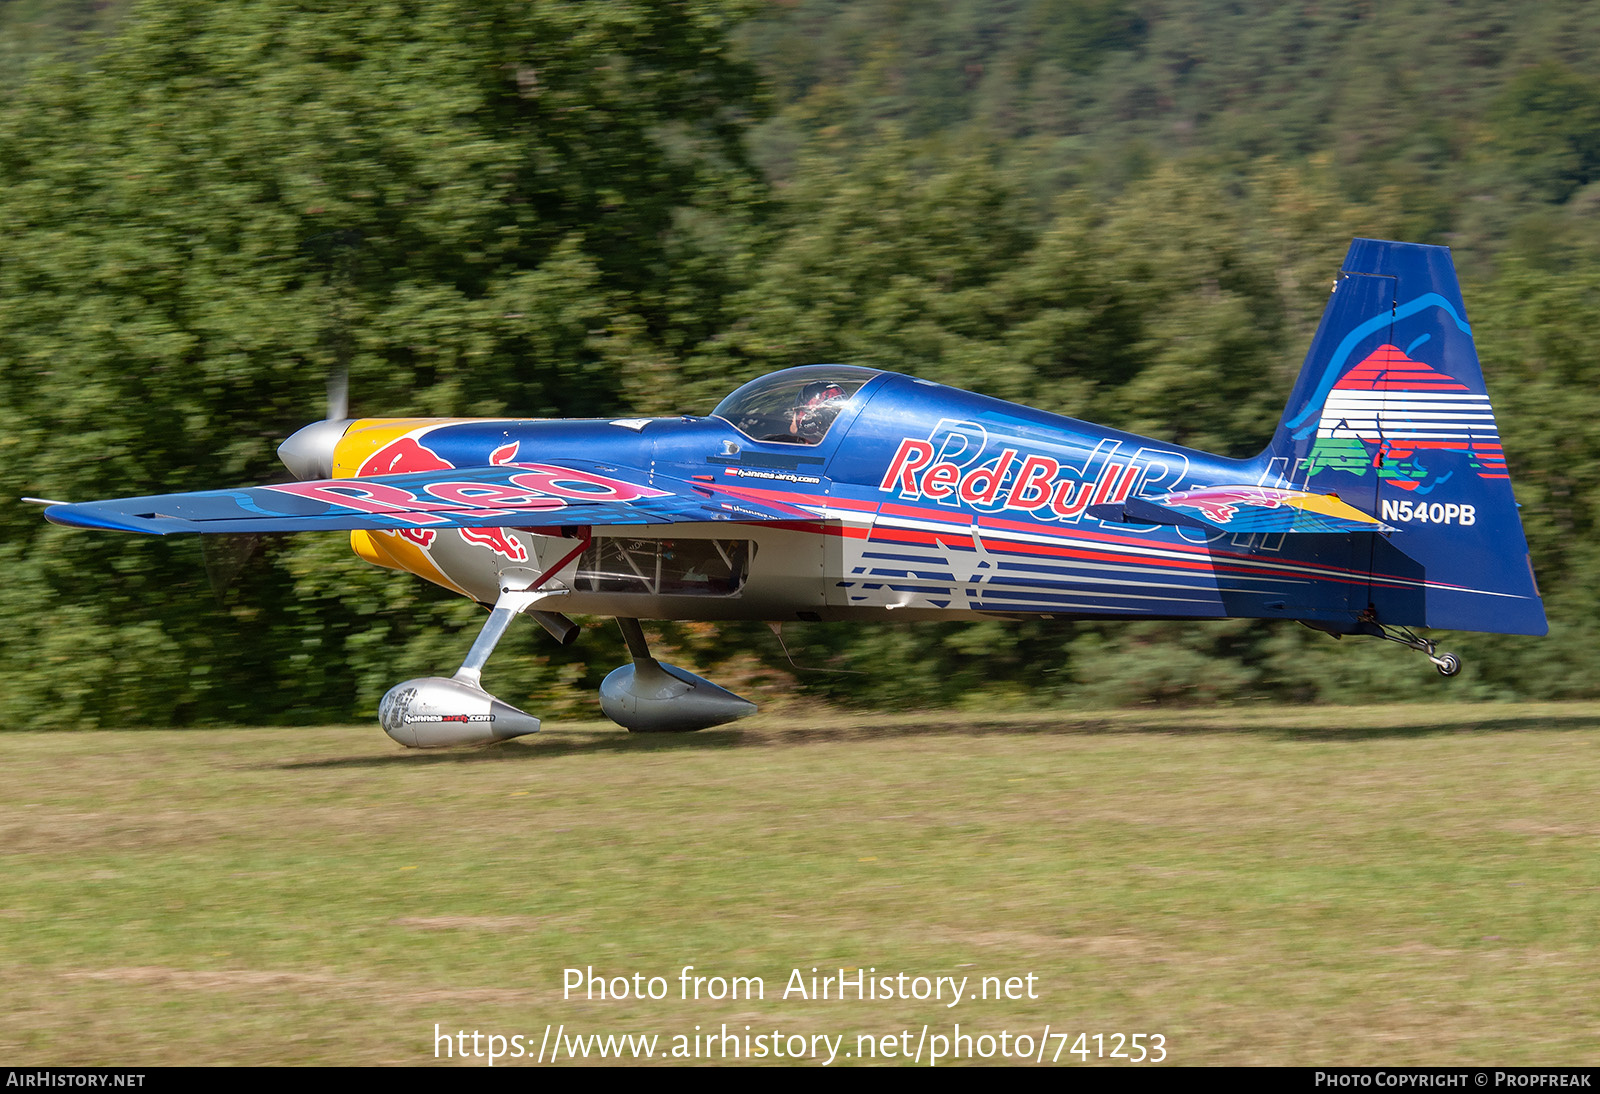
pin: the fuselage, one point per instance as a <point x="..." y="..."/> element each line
<point x="917" y="501"/>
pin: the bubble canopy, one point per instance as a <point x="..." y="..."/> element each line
<point x="795" y="406"/>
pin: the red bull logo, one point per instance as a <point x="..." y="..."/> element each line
<point x="1220" y="503"/>
<point x="952" y="467"/>
<point x="538" y="487"/>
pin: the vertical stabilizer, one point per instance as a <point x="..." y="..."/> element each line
<point x="1391" y="414"/>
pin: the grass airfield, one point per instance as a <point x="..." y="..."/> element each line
<point x="1361" y="885"/>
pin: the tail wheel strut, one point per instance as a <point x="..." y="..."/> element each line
<point x="1448" y="664"/>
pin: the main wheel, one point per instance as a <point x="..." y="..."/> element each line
<point x="1449" y="665"/>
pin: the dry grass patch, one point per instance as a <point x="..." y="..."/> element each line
<point x="1365" y="885"/>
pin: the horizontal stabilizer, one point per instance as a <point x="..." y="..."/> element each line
<point x="1243" y="509"/>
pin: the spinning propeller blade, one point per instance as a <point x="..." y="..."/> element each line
<point x="339" y="395"/>
<point x="309" y="452"/>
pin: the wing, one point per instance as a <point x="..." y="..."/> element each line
<point x="506" y="495"/>
<point x="1243" y="509"/>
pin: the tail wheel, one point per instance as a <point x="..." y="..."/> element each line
<point x="1449" y="664"/>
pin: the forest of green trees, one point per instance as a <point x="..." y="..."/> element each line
<point x="1124" y="210"/>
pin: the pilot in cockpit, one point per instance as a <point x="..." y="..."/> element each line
<point x="816" y="405"/>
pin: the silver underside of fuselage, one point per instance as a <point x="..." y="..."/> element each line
<point x="789" y="574"/>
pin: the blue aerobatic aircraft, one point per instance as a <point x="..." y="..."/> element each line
<point x="832" y="492"/>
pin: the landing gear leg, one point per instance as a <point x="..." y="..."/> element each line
<point x="511" y="604"/>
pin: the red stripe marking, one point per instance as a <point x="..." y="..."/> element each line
<point x="856" y="506"/>
<point x="961" y="531"/>
<point x="1280" y="570"/>
<point x="1162" y="545"/>
<point x="1203" y="565"/>
<point x="1038" y="550"/>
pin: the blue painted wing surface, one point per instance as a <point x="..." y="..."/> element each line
<point x="509" y="495"/>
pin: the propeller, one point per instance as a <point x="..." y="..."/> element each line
<point x="338" y="395"/>
<point x="308" y="454"/>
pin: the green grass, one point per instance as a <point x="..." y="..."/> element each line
<point x="1402" y="885"/>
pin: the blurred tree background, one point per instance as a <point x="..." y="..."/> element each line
<point x="1124" y="210"/>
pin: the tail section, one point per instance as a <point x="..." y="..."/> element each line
<point x="1390" y="414"/>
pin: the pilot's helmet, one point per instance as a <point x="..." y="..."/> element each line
<point x="816" y="405"/>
